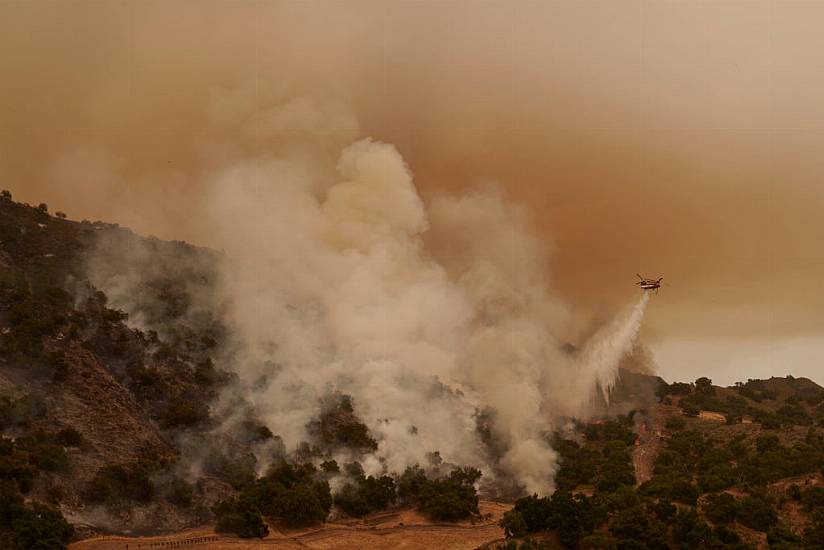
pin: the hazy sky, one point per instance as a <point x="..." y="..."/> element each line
<point x="682" y="139"/>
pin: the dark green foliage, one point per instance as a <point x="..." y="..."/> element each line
<point x="240" y="517"/>
<point x="410" y="484"/>
<point x="676" y="388"/>
<point x="330" y="466"/>
<point x="634" y="527"/>
<point x="572" y="516"/>
<point x="294" y="495"/>
<point x="32" y="315"/>
<point x="115" y="484"/>
<point x="254" y="432"/>
<point x="45" y="451"/>
<point x="237" y="471"/>
<point x="30" y="527"/>
<point x="755" y="513"/>
<point x="814" y="534"/>
<point x="365" y="495"/>
<point x="813" y="498"/>
<point x="755" y="390"/>
<point x="675" y="423"/>
<point x="690" y="409"/>
<point x="21" y="411"/>
<point x="611" y="430"/>
<point x="141" y="376"/>
<point x="704" y="385"/>
<point x="514" y="524"/>
<point x="781" y="538"/>
<point x="690" y="531"/>
<point x="664" y="510"/>
<point x="338" y="426"/>
<point x="445" y="500"/>
<point x="616" y="470"/>
<point x="206" y="374"/>
<point x="607" y="469"/>
<point x="450" y="499"/>
<point x="721" y="508"/>
<point x="16" y="466"/>
<point x="773" y="461"/>
<point x="793" y="415"/>
<point x="579" y="465"/>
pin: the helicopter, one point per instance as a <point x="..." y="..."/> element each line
<point x="649" y="284"/>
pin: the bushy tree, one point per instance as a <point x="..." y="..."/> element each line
<point x="756" y="513"/>
<point x="240" y="517"/>
<point x="291" y="494"/>
<point x="36" y="526"/>
<point x="365" y="495"/>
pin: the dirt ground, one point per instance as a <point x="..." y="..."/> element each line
<point x="649" y="445"/>
<point x="404" y="529"/>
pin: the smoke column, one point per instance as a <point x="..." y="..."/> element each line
<point x="339" y="277"/>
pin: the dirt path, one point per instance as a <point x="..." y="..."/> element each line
<point x="403" y="529"/>
<point x="649" y="445"/>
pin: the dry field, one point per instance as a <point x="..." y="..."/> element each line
<point x="404" y="529"/>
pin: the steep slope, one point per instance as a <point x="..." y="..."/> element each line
<point x="69" y="361"/>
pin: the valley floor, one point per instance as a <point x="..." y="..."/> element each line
<point x="402" y="529"/>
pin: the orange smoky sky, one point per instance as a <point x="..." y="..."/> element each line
<point x="681" y="139"/>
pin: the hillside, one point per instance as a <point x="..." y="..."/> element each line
<point x="99" y="407"/>
<point x="118" y="419"/>
<point x="707" y="467"/>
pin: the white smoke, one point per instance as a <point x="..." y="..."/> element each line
<point x="339" y="277"/>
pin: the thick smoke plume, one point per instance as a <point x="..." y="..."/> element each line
<point x="338" y="277"/>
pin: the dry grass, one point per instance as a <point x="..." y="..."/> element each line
<point x="402" y="529"/>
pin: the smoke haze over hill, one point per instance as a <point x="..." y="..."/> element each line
<point x="679" y="141"/>
<point x="329" y="286"/>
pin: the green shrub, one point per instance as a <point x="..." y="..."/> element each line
<point x="301" y="505"/>
<point x="30" y="527"/>
<point x="45" y="451"/>
<point x="813" y="498"/>
<point x="21" y="411"/>
<point x="338" y="426"/>
<point x="240" y="517"/>
<point x="292" y="494"/>
<point x="721" y="508"/>
<point x="239" y="471"/>
<point x="330" y="466"/>
<point x="756" y="513"/>
<point x="447" y="500"/>
<point x="16" y="466"/>
<point x="254" y="432"/>
<point x="513" y="524"/>
<point x="366" y="495"/>
<point x="781" y="538"/>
